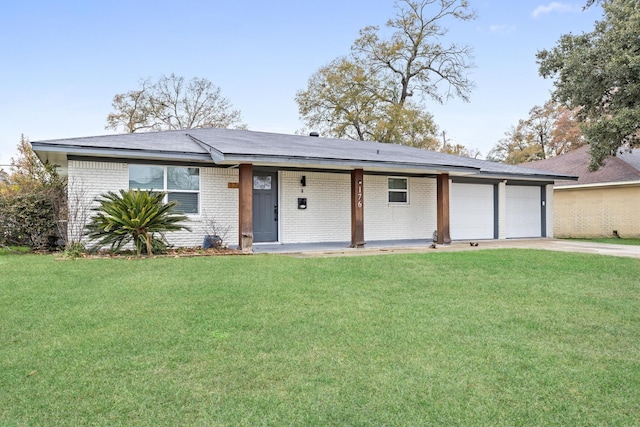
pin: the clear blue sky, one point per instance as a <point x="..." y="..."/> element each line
<point x="63" y="61"/>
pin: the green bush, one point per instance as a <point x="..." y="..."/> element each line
<point x="28" y="219"/>
<point x="33" y="202"/>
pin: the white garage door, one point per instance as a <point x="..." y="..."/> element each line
<point x="524" y="216"/>
<point x="471" y="213"/>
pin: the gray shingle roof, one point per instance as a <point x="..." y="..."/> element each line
<point x="231" y="146"/>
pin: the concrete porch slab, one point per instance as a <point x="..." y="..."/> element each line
<point x="414" y="246"/>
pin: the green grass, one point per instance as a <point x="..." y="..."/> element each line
<point x="612" y="240"/>
<point x="7" y="250"/>
<point x="500" y="337"/>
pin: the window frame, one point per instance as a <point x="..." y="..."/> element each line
<point x="165" y="183"/>
<point x="404" y="191"/>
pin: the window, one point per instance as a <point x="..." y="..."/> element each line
<point x="398" y="190"/>
<point x="182" y="184"/>
<point x="261" y="182"/>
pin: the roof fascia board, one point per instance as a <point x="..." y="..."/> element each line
<point x="278" y="160"/>
<point x="125" y="153"/>
<point x="598" y="185"/>
<point x="524" y="176"/>
<point x="528" y="182"/>
<point x="145" y="161"/>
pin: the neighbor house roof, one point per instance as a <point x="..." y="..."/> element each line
<point x="621" y="168"/>
<point x="228" y="147"/>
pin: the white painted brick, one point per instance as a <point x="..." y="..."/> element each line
<point x="90" y="179"/>
<point x="391" y="221"/>
<point x="218" y="203"/>
<point x="87" y="181"/>
<point x="328" y="214"/>
<point x="327" y="217"/>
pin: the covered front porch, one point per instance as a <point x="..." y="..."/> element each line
<point x="248" y="209"/>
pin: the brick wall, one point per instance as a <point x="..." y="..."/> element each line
<point x="87" y="181"/>
<point x="218" y="208"/>
<point x="392" y="221"/>
<point x="218" y="203"/>
<point x="597" y="211"/>
<point x="328" y="214"/>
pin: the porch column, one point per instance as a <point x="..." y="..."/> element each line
<point x="443" y="209"/>
<point x="357" y="208"/>
<point x="245" y="208"/>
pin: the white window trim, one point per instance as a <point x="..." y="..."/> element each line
<point x="390" y="190"/>
<point x="166" y="190"/>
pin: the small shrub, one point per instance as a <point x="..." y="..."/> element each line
<point x="75" y="250"/>
<point x="159" y="246"/>
<point x="132" y="216"/>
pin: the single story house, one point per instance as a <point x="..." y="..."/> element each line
<point x="267" y="187"/>
<point x="603" y="203"/>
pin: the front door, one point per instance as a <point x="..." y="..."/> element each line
<point x="265" y="206"/>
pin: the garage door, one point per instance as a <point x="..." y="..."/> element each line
<point x="471" y="212"/>
<point x="524" y="215"/>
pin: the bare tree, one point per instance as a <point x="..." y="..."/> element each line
<point x="173" y="103"/>
<point x="74" y="216"/>
<point x="414" y="56"/>
<point x="132" y="110"/>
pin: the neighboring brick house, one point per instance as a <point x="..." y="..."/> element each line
<point x="599" y="203"/>
<point x="265" y="187"/>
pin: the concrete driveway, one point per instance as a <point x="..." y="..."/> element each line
<point x="630" y="251"/>
<point x="415" y="246"/>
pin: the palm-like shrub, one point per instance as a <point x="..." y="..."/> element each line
<point x="133" y="216"/>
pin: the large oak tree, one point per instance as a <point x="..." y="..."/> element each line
<point x="598" y="73"/>
<point x="378" y="92"/>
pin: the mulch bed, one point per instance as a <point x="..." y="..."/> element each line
<point x="171" y="253"/>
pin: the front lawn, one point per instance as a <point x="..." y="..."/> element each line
<point x="495" y="337"/>
<point x="7" y="250"/>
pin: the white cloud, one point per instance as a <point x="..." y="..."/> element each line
<point x="502" y="29"/>
<point x="555" y="7"/>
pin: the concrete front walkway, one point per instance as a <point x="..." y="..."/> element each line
<point x="414" y="246"/>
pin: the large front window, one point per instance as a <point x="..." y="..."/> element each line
<point x="182" y="184"/>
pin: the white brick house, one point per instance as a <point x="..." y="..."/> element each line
<point x="264" y="187"/>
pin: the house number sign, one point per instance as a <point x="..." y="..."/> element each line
<point x="360" y="193"/>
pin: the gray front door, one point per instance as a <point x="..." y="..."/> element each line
<point x="265" y="206"/>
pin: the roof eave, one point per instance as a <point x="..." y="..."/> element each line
<point x="520" y="176"/>
<point x="617" y="184"/>
<point x="231" y="159"/>
<point x="120" y="153"/>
